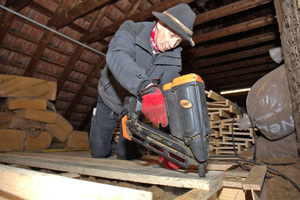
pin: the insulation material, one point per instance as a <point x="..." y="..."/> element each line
<point x="269" y="105"/>
<point x="11" y="140"/>
<point x="60" y="129"/>
<point x="286" y="146"/>
<point x="14" y="103"/>
<point x="77" y="140"/>
<point x="20" y="86"/>
<point x="30" y="127"/>
<point x="41" y="142"/>
<point x="38" y="115"/>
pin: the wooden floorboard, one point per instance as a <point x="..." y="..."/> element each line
<point x="141" y="171"/>
<point x="29" y="184"/>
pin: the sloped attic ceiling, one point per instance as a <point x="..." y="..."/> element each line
<point x="232" y="41"/>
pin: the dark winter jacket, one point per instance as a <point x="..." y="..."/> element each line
<point x="132" y="64"/>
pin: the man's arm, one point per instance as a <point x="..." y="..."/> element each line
<point x="121" y="62"/>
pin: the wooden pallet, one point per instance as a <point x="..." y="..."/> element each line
<point x="225" y="133"/>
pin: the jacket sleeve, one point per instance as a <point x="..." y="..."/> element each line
<point x="120" y="59"/>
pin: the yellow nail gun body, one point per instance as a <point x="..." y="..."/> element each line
<point x="188" y="123"/>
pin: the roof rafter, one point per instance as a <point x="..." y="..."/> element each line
<point x="67" y="16"/>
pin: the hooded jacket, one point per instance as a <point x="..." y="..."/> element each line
<point x="132" y="64"/>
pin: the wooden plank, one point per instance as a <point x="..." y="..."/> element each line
<point x="199" y="194"/>
<point x="231" y="193"/>
<point x="233" y="183"/>
<point x="229" y="174"/>
<point x="255" y="178"/>
<point x="27" y="184"/>
<point x="215" y="96"/>
<point x="142" y="174"/>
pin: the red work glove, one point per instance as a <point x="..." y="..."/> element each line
<point x="154" y="107"/>
<point x="168" y="164"/>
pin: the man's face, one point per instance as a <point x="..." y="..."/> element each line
<point x="165" y="39"/>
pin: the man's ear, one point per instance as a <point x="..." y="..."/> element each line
<point x="159" y="25"/>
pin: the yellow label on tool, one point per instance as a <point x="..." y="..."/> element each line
<point x="185" y="103"/>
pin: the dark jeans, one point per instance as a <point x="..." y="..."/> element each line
<point x="103" y="124"/>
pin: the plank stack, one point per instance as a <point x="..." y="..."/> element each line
<point x="225" y="133"/>
<point x="29" y="121"/>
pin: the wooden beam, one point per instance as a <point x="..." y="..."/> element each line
<point x="41" y="9"/>
<point x="17" y="5"/>
<point x="236" y="65"/>
<point x="228" y="10"/>
<point x="290" y="39"/>
<point x="67" y="16"/>
<point x="119" y="169"/>
<point x="248" y="83"/>
<point x="240" y="71"/>
<point x="46" y="38"/>
<point x="279" y="14"/>
<point x="28" y="184"/>
<point x="255" y="178"/>
<point x="39" y="50"/>
<point x="7" y="17"/>
<point x="6" y="20"/>
<point x="146" y="14"/>
<point x="134" y="7"/>
<point x="233" y="56"/>
<point x="98" y="18"/>
<point x="235" y="79"/>
<point x="71" y="63"/>
<point x="199" y="52"/>
<point x="50" y="14"/>
<point x="215" y="96"/>
<point x="199" y="194"/>
<point x="242" y="27"/>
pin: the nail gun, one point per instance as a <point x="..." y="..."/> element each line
<point x="188" y="123"/>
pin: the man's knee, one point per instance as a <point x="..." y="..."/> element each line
<point x="100" y="154"/>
